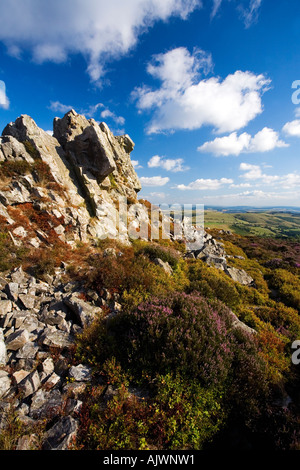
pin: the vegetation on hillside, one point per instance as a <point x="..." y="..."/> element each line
<point x="178" y="375"/>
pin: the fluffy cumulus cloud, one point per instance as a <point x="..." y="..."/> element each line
<point x="169" y="164"/>
<point x="205" y="184"/>
<point x="4" y="101"/>
<point x="264" y="141"/>
<point x="292" y="128"/>
<point x="187" y="99"/>
<point x="255" y="173"/>
<point x="98" y="29"/>
<point x="154" y="180"/>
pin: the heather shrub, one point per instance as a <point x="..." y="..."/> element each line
<point x="183" y="333"/>
<point x="212" y="283"/>
<point x="287" y="286"/>
<point x="131" y="275"/>
<point x="198" y="368"/>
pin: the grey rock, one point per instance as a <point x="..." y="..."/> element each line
<point x="12" y="289"/>
<point x="5" y="307"/>
<point x="239" y="275"/>
<point x="3" y="351"/>
<point x="28" y="442"/>
<point x="51" y="381"/>
<point x="61" y="435"/>
<point x="216" y="261"/>
<point x="92" y="152"/>
<point x="56" y="339"/>
<point x="164" y="264"/>
<point x="48" y="366"/>
<point x="84" y="312"/>
<point x="46" y="404"/>
<point x="30" y="384"/>
<point x="5" y="383"/>
<point x="17" y="339"/>
<point x="28" y="351"/>
<point x="18" y="275"/>
<point x="80" y="373"/>
<point x="110" y="252"/>
<point x="27" y="300"/>
<point x="237" y="323"/>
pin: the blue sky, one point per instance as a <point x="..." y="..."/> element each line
<point x="208" y="90"/>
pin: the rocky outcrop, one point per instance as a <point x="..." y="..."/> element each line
<point x="213" y="253"/>
<point x="86" y="169"/>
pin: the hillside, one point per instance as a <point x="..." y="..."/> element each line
<point x="263" y="224"/>
<point x="111" y="340"/>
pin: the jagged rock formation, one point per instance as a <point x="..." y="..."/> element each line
<point x="90" y="168"/>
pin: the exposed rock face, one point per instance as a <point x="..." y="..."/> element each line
<point x="98" y="153"/>
<point x="89" y="167"/>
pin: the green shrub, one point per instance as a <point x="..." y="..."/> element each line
<point x="179" y="416"/>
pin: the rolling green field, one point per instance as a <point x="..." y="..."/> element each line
<point x="264" y="224"/>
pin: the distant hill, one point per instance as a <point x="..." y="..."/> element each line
<point x="272" y="223"/>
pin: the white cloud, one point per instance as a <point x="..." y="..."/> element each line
<point x="250" y="14"/>
<point x="154" y="181"/>
<point x="242" y="185"/>
<point x="264" y="141"/>
<point x="111" y="115"/>
<point x="205" y="184"/>
<point x="228" y="145"/>
<point x="58" y="107"/>
<point x="135" y="164"/>
<point x="105" y="113"/>
<point x="257" y="194"/>
<point x="216" y="7"/>
<point x="4" y="101"/>
<point x="258" y="197"/>
<point x="184" y="101"/>
<point x="97" y="29"/>
<point x="174" y="165"/>
<point x="292" y="128"/>
<point x="157" y="195"/>
<point x="255" y="173"/>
